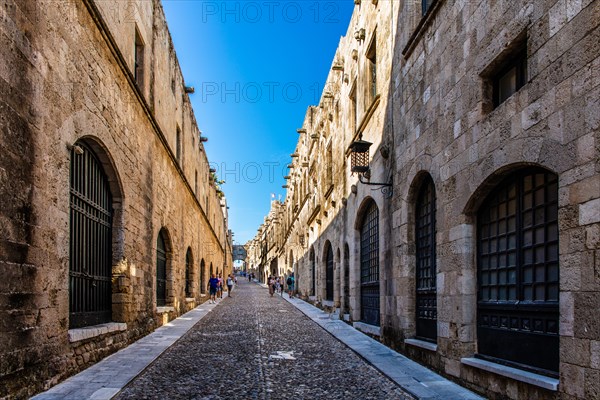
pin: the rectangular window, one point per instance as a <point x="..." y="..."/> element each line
<point x="138" y="70"/>
<point x="353" y="110"/>
<point x="511" y="77"/>
<point x="178" y="144"/>
<point x="329" y="168"/>
<point x="371" y="72"/>
<point x="426" y="5"/>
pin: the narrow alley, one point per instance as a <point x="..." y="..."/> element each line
<point x="252" y="346"/>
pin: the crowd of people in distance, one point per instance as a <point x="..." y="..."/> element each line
<point x="276" y="285"/>
<point x="215" y="286"/>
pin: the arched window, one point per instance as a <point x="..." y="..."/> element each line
<point x="313" y="264"/>
<point x="161" y="269"/>
<point x="328" y="272"/>
<point x="203" y="281"/>
<point x="188" y="273"/>
<point x="90" y="244"/>
<point x="518" y="272"/>
<point x="211" y="270"/>
<point x="369" y="265"/>
<point x="426" y="312"/>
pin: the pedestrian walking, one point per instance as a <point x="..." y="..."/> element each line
<point x="290" y="285"/>
<point x="230" y="282"/>
<point x="213" y="284"/>
<point x="220" y="287"/>
<point x="271" y="283"/>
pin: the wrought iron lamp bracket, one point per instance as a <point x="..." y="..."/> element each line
<point x="386" y="188"/>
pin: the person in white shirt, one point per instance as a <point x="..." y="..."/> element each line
<point x="230" y="282"/>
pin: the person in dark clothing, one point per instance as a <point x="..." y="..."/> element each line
<point x="213" y="285"/>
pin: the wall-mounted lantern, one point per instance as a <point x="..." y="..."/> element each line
<point x="359" y="163"/>
<point x="359" y="152"/>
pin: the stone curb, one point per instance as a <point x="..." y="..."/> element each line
<point x="412" y="377"/>
<point x="105" y="379"/>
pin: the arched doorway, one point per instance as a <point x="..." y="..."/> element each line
<point x="313" y="266"/>
<point x="161" y="269"/>
<point x="426" y="292"/>
<point x="369" y="264"/>
<point x="346" y="288"/>
<point x="203" y="281"/>
<point x="328" y="272"/>
<point x="518" y="272"/>
<point x="188" y="272"/>
<point x="90" y="244"/>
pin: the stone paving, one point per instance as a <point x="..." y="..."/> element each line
<point x="254" y="346"/>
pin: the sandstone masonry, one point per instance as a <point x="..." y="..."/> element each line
<point x="96" y="79"/>
<point x="484" y="118"/>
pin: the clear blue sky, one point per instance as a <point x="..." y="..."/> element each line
<point x="256" y="67"/>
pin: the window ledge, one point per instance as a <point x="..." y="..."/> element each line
<point x="366" y="328"/>
<point x="327" y="303"/>
<point x="189" y="299"/>
<point x="162" y="310"/>
<point x="422" y="344"/>
<point x="365" y="120"/>
<point x="513" y="373"/>
<point x="79" y="334"/>
<point x="420" y="29"/>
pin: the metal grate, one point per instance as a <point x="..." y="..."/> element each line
<point x="90" y="245"/>
<point x="369" y="266"/>
<point x="346" y="278"/>
<point x="313" y="264"/>
<point x="188" y="273"/>
<point x="518" y="271"/>
<point x="161" y="271"/>
<point x="203" y="281"/>
<point x="329" y="274"/>
<point x="426" y="301"/>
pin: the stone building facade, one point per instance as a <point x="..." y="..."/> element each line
<point x="110" y="222"/>
<point x="481" y="260"/>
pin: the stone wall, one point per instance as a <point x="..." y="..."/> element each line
<point x="66" y="77"/>
<point x="436" y="117"/>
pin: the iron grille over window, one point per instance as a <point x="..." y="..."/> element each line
<point x="188" y="273"/>
<point x="346" y="278"/>
<point x="329" y="274"/>
<point x="161" y="271"/>
<point x="426" y="268"/>
<point x="518" y="271"/>
<point x="369" y="266"/>
<point x="313" y="263"/>
<point x="203" y="281"/>
<point x="90" y="245"/>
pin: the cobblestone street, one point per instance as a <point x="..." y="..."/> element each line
<point x="253" y="346"/>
